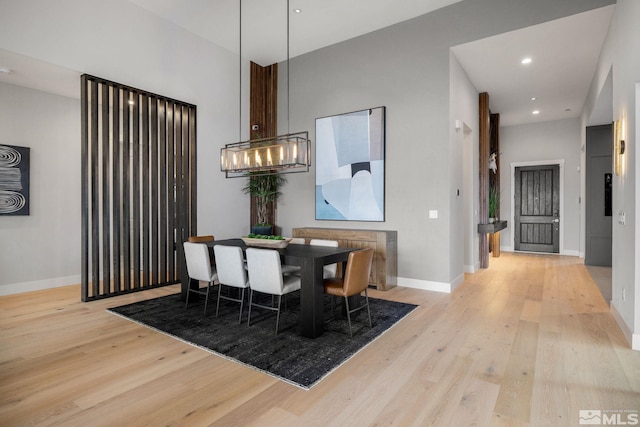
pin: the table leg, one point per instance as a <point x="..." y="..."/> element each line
<point x="311" y="299"/>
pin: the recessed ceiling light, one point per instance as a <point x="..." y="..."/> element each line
<point x="5" y="70"/>
<point x="533" y="98"/>
<point x="526" y="61"/>
<point x="297" y="10"/>
<point x="535" y="112"/>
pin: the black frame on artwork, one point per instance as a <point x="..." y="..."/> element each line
<point x="14" y="179"/>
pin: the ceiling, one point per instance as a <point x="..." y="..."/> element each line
<point x="564" y="56"/>
<point x="564" y="52"/>
<point x="264" y="22"/>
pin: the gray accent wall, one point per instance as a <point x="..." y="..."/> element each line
<point x="405" y="67"/>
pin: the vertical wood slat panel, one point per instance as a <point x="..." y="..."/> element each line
<point x="135" y="193"/>
<point x="162" y="192"/>
<point x="144" y="195"/>
<point x="179" y="185"/>
<point x="126" y="189"/>
<point x="483" y="171"/>
<point x="179" y="177"/>
<point x="263" y="111"/>
<point x="193" y="171"/>
<point x="115" y="174"/>
<point x="84" y="197"/>
<point x="94" y="215"/>
<point x="104" y="178"/>
<point x="170" y="190"/>
<point x="138" y="187"/>
<point x="186" y="194"/>
<point x="153" y="193"/>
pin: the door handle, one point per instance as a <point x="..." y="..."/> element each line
<point x="555" y="220"/>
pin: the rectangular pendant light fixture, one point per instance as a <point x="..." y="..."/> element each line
<point x="279" y="154"/>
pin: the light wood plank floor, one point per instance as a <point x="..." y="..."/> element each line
<point x="527" y="342"/>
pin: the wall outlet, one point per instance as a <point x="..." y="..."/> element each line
<point x="433" y="214"/>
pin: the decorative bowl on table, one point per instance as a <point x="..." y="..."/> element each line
<point x="267" y="243"/>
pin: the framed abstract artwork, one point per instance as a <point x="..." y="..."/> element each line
<point x="350" y="156"/>
<point x="14" y="180"/>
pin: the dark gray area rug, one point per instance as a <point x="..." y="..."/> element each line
<point x="288" y="356"/>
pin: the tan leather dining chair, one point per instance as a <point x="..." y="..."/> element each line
<point x="355" y="281"/>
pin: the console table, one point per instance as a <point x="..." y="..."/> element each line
<point x="384" y="269"/>
<point x="494" y="230"/>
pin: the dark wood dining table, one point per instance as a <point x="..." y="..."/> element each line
<point x="311" y="259"/>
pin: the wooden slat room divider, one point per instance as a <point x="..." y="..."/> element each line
<point x="138" y="187"/>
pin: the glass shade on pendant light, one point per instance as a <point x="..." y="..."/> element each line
<point x="279" y="154"/>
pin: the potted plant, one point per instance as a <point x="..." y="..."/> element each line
<point x="266" y="189"/>
<point x="494" y="204"/>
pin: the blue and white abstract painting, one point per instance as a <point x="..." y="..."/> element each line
<point x="350" y="151"/>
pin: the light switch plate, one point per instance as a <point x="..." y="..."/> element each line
<point x="433" y="214"/>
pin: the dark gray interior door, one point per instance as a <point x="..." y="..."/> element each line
<point x="537" y="208"/>
<point x="598" y="231"/>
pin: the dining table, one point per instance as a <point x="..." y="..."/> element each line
<point x="311" y="259"/>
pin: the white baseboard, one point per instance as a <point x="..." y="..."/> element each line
<point x="457" y="282"/>
<point x="426" y="285"/>
<point x="38" y="285"/>
<point x="571" y="252"/>
<point x="632" y="339"/>
<point x="506" y="248"/>
<point x="472" y="268"/>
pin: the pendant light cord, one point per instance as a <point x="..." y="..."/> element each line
<point x="288" y="95"/>
<point x="240" y="75"/>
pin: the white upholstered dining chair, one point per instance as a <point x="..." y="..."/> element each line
<point x="265" y="276"/>
<point x="199" y="268"/>
<point x="231" y="273"/>
<point x="329" y="270"/>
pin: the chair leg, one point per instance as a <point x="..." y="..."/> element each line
<point x="241" y="305"/>
<point x="250" y="300"/>
<point x="346" y="301"/>
<point x="366" y="296"/>
<point x="218" y="302"/>
<point x="206" y="298"/>
<point x="278" y="315"/>
<point x="187" y="303"/>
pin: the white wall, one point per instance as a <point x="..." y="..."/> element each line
<point x="620" y="54"/>
<point x="46" y="243"/>
<point x="406" y="68"/>
<point x="539" y="142"/>
<point x="465" y="146"/>
<point x="120" y="41"/>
